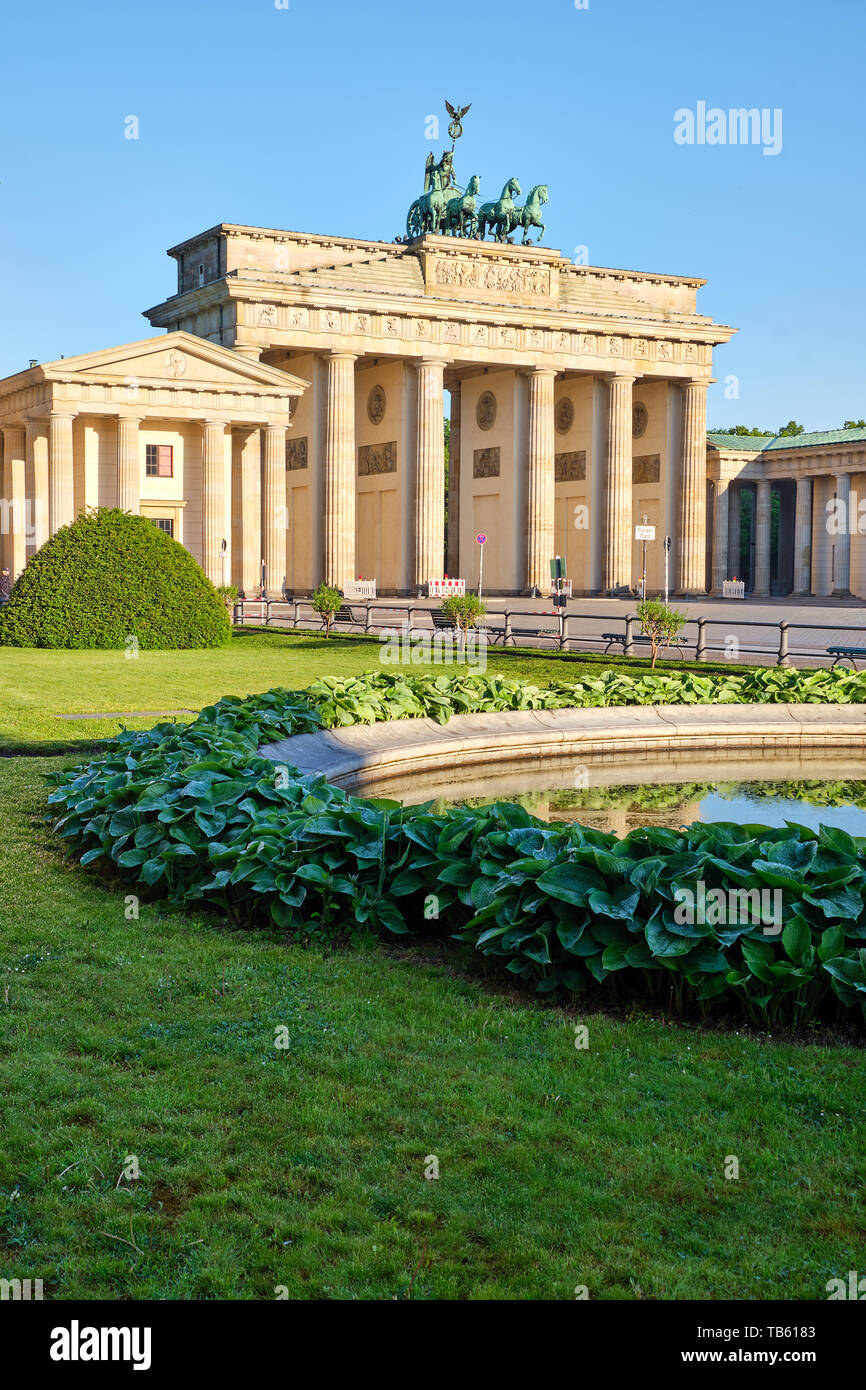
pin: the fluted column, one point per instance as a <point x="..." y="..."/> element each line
<point x="762" y="539"/>
<point x="128" y="464"/>
<point x="213" y="500"/>
<point x="720" y="534"/>
<point x="734" y="528"/>
<point x="61" y="478"/>
<point x="12" y="504"/>
<point x="274" y="510"/>
<point x="842" y="567"/>
<point x="803" y="537"/>
<point x="247" y="512"/>
<point x="36" y="482"/>
<point x="338" y="557"/>
<point x="540" y="481"/>
<point x="452" y="562"/>
<point x="692" y="549"/>
<point x="430" y="474"/>
<point x="616" y="559"/>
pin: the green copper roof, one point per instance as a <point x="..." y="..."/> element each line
<point x="763" y="443"/>
<point x="754" y="442"/>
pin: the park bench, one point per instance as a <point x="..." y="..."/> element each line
<point x="344" y="614"/>
<point x="613" y="637"/>
<point x="443" y="623"/>
<point x="846" y="654"/>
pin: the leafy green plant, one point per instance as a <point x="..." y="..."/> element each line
<point x="229" y="595"/>
<point x="464" y="610"/>
<point x="196" y="814"/>
<point x="660" y="623"/>
<point x="110" y="577"/>
<point x="327" y="602"/>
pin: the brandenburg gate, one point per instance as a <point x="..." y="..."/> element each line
<point x="577" y="405"/>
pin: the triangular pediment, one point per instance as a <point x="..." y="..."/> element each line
<point x="179" y="358"/>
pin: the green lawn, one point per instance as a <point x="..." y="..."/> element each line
<point x="37" y="686"/>
<point x="304" y="1166"/>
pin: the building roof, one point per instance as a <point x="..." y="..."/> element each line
<point x="764" y="443"/>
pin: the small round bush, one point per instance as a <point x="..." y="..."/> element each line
<point x="110" y="577"/>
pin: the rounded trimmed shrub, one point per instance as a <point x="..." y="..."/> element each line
<point x="110" y="577"/>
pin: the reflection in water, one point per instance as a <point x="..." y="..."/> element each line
<point x="621" y="809"/>
<point x="618" y="794"/>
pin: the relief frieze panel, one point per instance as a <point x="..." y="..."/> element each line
<point x="485" y="463"/>
<point x="570" y="467"/>
<point x="374" y="459"/>
<point x="646" y="468"/>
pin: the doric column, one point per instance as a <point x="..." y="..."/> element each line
<point x="128" y="464"/>
<point x="803" y="537"/>
<point x="430" y="474"/>
<point x="274" y="510"/>
<point x="338" y="558"/>
<point x="36" y="483"/>
<point x="762" y="539"/>
<point x="452" y="562"/>
<point x="842" y="565"/>
<point x="213" y="499"/>
<point x="734" y="528"/>
<point x="616" y="559"/>
<point x="247" y="512"/>
<point x="540" y="479"/>
<point x="720" y="534"/>
<point x="692" y="551"/>
<point x="13" y="511"/>
<point x="61" y="478"/>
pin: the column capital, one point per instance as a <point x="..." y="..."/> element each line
<point x="625" y="377"/>
<point x="442" y="362"/>
<point x="62" y="414"/>
<point x="542" y="371"/>
<point x="340" y="356"/>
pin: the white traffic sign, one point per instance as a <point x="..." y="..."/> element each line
<point x="644" y="533"/>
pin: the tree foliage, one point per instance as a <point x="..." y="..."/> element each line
<point x="108" y="578"/>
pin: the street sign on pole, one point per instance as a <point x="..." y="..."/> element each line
<point x="644" y="533"/>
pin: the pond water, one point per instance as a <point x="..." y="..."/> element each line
<point x="617" y="794"/>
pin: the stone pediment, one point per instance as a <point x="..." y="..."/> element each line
<point x="179" y="358"/>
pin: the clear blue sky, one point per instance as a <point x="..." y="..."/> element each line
<point x="312" y="118"/>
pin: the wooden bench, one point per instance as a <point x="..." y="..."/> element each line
<point x="613" y="637"/>
<point x="344" y="614"/>
<point x="846" y="654"/>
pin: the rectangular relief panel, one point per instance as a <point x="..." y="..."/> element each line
<point x="646" y="468"/>
<point x="374" y="459"/>
<point x="570" y="467"/>
<point x="296" y="454"/>
<point x="485" y="463"/>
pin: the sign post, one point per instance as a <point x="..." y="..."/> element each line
<point x="644" y="533"/>
<point x="480" y="540"/>
<point x="557" y="579"/>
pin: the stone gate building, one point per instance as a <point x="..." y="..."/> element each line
<point x="292" y="416"/>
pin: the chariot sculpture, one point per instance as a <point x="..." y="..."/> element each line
<point x="444" y="208"/>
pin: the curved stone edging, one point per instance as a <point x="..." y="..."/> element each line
<point x="363" y="754"/>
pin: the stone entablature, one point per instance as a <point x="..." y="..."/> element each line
<point x="510" y="305"/>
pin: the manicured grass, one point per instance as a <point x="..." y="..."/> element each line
<point x="37" y="686"/>
<point x="304" y="1167"/>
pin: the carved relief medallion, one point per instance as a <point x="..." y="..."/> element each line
<point x="376" y="405"/>
<point x="174" y="363"/>
<point x="485" y="463"/>
<point x="564" y="415"/>
<point x="639" y="419"/>
<point x="485" y="411"/>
